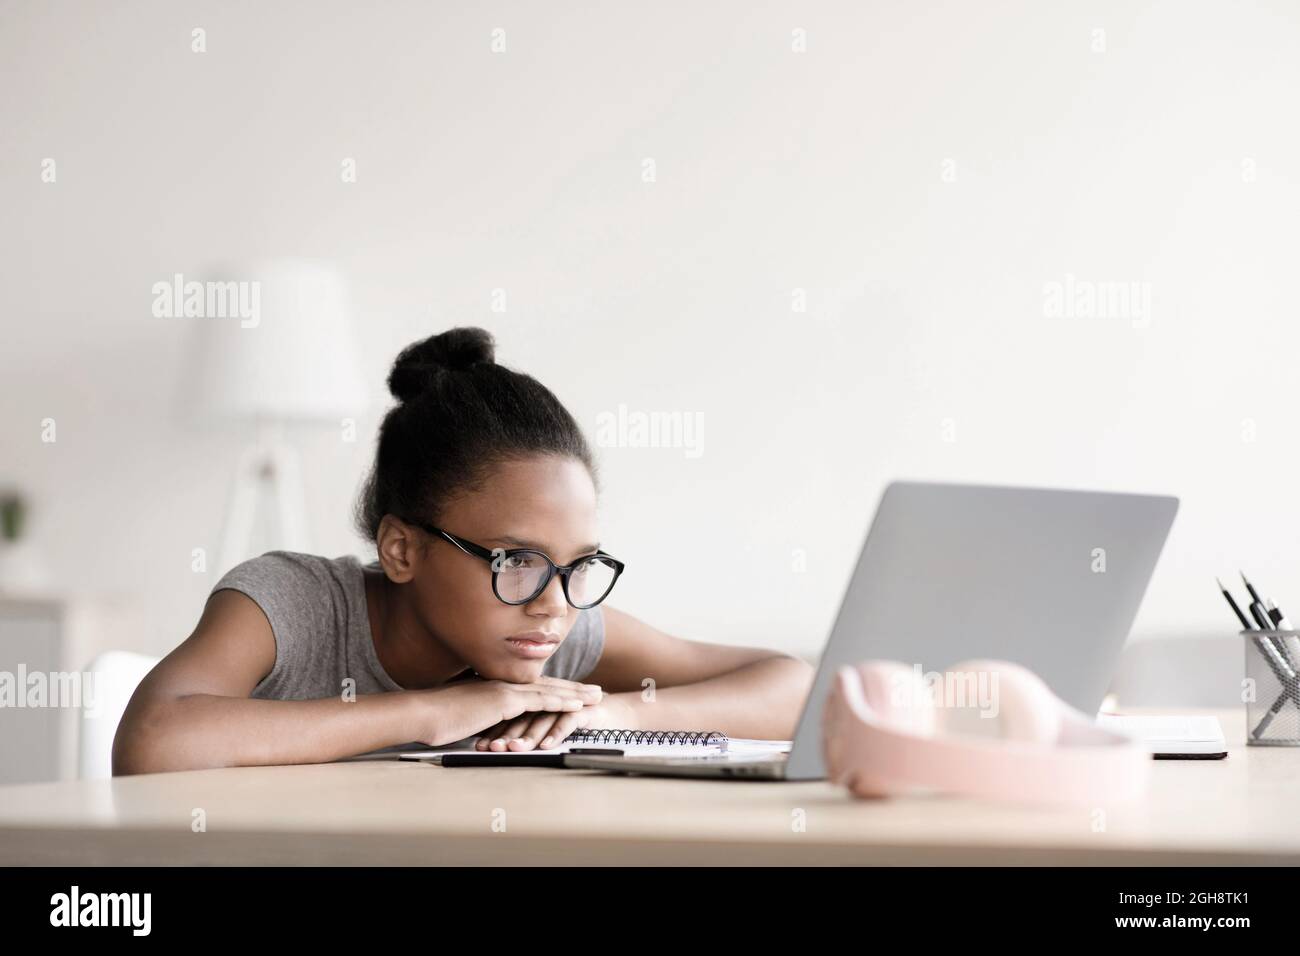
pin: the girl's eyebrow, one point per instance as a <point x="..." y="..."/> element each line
<point x="521" y="543"/>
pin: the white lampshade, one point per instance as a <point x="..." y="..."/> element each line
<point x="285" y="352"/>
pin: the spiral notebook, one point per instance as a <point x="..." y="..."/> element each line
<point x="633" y="743"/>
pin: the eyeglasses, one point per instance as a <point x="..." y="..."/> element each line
<point x="519" y="575"/>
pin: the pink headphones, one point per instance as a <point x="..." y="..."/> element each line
<point x="995" y="731"/>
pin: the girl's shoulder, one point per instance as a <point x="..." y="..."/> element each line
<point x="291" y="567"/>
<point x="295" y="583"/>
<point x="313" y="605"/>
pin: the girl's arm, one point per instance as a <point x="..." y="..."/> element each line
<point x="742" y="691"/>
<point x="193" y="711"/>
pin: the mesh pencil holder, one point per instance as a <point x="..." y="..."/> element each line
<point x="1272" y="692"/>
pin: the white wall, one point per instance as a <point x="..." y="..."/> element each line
<point x="1170" y="159"/>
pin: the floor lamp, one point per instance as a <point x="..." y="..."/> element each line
<point x="286" y="359"/>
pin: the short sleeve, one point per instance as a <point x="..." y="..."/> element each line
<point x="289" y="592"/>
<point x="581" y="650"/>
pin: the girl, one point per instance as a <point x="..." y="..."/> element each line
<point x="481" y="623"/>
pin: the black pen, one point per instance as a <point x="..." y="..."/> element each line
<point x="1287" y="648"/>
<point x="503" y="760"/>
<point x="521" y="758"/>
<point x="1245" y="625"/>
<point x="1254" y="595"/>
<point x="1288" y="643"/>
<point x="1276" y="615"/>
<point x="1261" y="616"/>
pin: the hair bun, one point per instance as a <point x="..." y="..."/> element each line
<point x="420" y="363"/>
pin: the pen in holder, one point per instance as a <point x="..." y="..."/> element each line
<point x="1272" y="694"/>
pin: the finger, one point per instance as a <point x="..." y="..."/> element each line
<point x="528" y="703"/>
<point x="488" y="734"/>
<point x="497" y="736"/>
<point x="564" y="725"/>
<point x="513" y="729"/>
<point x="547" y="701"/>
<point x="577" y="688"/>
<point x="536" y="693"/>
<point x="587" y="693"/>
<point x="535" y="731"/>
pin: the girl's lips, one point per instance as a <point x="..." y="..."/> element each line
<point x="533" y="649"/>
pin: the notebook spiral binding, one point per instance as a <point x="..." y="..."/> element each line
<point x="605" y="736"/>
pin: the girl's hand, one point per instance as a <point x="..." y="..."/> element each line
<point x="457" y="710"/>
<point x="547" y="730"/>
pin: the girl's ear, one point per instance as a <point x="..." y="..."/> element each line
<point x="399" y="548"/>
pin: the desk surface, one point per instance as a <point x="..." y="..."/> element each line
<point x="1245" y="809"/>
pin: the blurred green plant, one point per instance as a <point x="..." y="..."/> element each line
<point x="13" y="512"/>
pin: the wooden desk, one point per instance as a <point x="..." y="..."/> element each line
<point x="1245" y="809"/>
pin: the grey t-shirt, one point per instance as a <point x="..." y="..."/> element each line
<point x="317" y="610"/>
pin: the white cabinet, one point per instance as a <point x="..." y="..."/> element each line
<point x="31" y="721"/>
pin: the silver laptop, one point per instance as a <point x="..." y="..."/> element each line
<point x="1048" y="579"/>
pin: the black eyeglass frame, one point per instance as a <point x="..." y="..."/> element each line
<point x="490" y="555"/>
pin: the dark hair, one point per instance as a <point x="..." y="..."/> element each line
<point x="459" y="415"/>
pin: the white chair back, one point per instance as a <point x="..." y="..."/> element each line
<point x="115" y="676"/>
